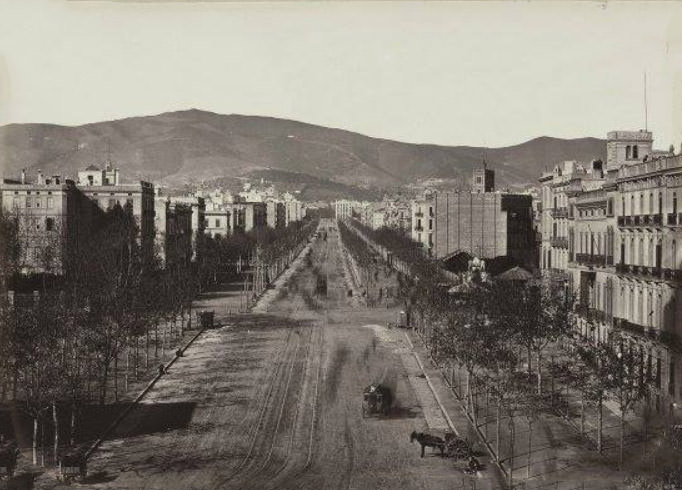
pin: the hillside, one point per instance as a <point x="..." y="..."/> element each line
<point x="184" y="147"/>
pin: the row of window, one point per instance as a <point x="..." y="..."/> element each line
<point x="21" y="202"/>
<point x="47" y="224"/>
<point x="638" y="204"/>
<point x="633" y="252"/>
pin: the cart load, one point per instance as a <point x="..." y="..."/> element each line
<point x="377" y="399"/>
<point x="456" y="447"/>
<point x="9" y="451"/>
<point x="73" y="465"/>
<point x="207" y="319"/>
<point x="321" y="285"/>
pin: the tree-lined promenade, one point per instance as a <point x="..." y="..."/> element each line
<point x="85" y="335"/>
<point x="512" y="353"/>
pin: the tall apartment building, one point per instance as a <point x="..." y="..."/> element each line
<point x="217" y="219"/>
<point x="485" y="225"/>
<point x="424" y="223"/>
<point x="345" y="208"/>
<point x="276" y="214"/>
<point x="173" y="222"/>
<point x="482" y="223"/>
<point x="623" y="227"/>
<point x="104" y="188"/>
<point x="247" y="216"/>
<point x="55" y="222"/>
<point x="198" y="206"/>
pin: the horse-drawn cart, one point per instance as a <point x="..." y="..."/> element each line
<point x="456" y="447"/>
<point x="8" y="458"/>
<point x="377" y="399"/>
<point x="207" y="319"/>
<point x="72" y="465"/>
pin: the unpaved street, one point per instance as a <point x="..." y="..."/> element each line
<point x="273" y="400"/>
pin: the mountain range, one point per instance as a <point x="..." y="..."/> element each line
<point x="189" y="147"/>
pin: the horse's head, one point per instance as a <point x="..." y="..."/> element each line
<point x="413" y="436"/>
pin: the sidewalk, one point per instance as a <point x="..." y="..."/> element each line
<point x="491" y="477"/>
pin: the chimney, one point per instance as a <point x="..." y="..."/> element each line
<point x="40" y="177"/>
<point x="23" y="175"/>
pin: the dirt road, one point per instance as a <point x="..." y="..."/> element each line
<point x="274" y="401"/>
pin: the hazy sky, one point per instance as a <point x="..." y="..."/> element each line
<point x="451" y="73"/>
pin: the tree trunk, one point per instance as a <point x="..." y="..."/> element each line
<point x="55" y="421"/>
<point x="42" y="445"/>
<point x="116" y="378"/>
<point x="156" y="339"/>
<point x="146" y="348"/>
<point x="600" y="421"/>
<point x="497" y="430"/>
<point x="539" y="370"/>
<point x="127" y="364"/>
<point x="72" y="429"/>
<point x="530" y="363"/>
<point x="530" y="447"/>
<point x="34" y="447"/>
<point x="551" y="373"/>
<point x="622" y="438"/>
<point x="137" y="357"/>
<point x="511" y="450"/>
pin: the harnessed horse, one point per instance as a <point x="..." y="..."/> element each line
<point x="428" y="440"/>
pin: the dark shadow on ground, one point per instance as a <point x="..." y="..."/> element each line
<point x="22" y="481"/>
<point x="153" y="418"/>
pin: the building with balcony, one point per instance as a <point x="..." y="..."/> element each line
<point x="55" y="222"/>
<point x="424" y="222"/>
<point x="623" y="258"/>
<point x="173" y="222"/>
<point x="105" y="189"/>
<point x="198" y="205"/>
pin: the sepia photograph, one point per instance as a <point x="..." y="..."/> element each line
<point x="340" y="245"/>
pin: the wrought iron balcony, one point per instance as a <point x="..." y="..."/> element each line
<point x="640" y="220"/>
<point x="592" y="314"/>
<point x="674" y="219"/>
<point x="662" y="336"/>
<point x="643" y="271"/>
<point x="419" y="214"/>
<point x="594" y="260"/>
<point x="559" y="212"/>
<point x="558" y="242"/>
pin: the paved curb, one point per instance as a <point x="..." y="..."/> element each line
<point x="481" y="437"/>
<point x="433" y="390"/>
<point x="138" y="399"/>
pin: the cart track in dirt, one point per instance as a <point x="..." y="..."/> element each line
<point x="276" y="404"/>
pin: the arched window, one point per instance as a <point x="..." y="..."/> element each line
<point x="673" y="260"/>
<point x="651" y="203"/>
<point x="660" y="202"/>
<point x="628" y="152"/>
<point x="631" y="304"/>
<point x="641" y="204"/>
<point x="635" y="152"/>
<point x="632" y="205"/>
<point x="640" y="307"/>
<point x="652" y="259"/>
<point x="632" y="251"/>
<point x="640" y="254"/>
<point x="650" y="309"/>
